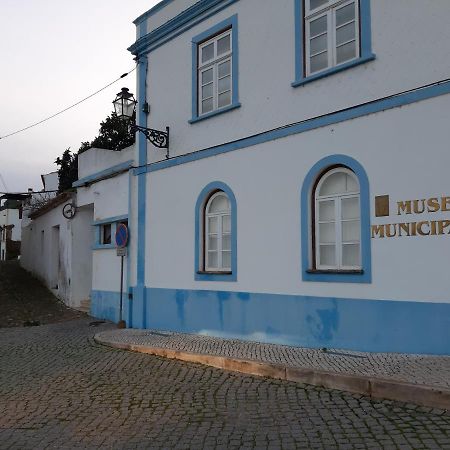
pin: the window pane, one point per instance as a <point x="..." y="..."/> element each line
<point x="212" y="242"/>
<point x="327" y="233"/>
<point x="318" y="26"/>
<point x="224" y="99"/>
<point x="350" y="208"/>
<point x="350" y="231"/>
<point x="212" y="260"/>
<point x="319" y="62"/>
<point x="226" y="260"/>
<point x="226" y="242"/>
<point x="345" y="14"/>
<point x="226" y="224"/>
<point x="352" y="184"/>
<point x="345" y="33"/>
<point x="106" y="234"/>
<point x="345" y="52"/>
<point x="223" y="45"/>
<point x="326" y="210"/>
<point x="313" y="4"/>
<point x="207" y="91"/>
<point x="220" y="203"/>
<point x="212" y="224"/>
<point x="334" y="184"/>
<point x="207" y="76"/>
<point x="224" y="69"/>
<point x="318" y="44"/>
<point x="208" y="52"/>
<point x="327" y="255"/>
<point x="207" y="105"/>
<point x="224" y="84"/>
<point x="350" y="255"/>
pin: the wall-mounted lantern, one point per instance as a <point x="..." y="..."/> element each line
<point x="125" y="107"/>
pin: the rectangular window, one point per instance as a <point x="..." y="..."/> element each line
<point x="331" y="33"/>
<point x="215" y="61"/>
<point x="106" y="234"/>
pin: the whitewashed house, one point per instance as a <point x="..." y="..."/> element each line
<point x="103" y="189"/>
<point x="72" y="250"/>
<point x="10" y="226"/>
<point x="305" y="199"/>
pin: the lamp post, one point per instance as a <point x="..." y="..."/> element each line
<point x="125" y="107"/>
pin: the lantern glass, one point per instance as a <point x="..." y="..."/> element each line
<point x="124" y="104"/>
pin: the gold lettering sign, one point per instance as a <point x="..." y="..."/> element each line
<point x="408" y="207"/>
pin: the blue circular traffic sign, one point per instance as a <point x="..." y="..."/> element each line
<point x="121" y="235"/>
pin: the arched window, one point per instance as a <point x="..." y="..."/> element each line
<point x="336" y="221"/>
<point x="216" y="234"/>
<point x="217" y="239"/>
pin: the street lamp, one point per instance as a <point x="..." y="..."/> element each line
<point x="125" y="107"/>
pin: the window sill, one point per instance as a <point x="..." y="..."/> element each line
<point x="215" y="276"/>
<point x="337" y="276"/>
<point x="333" y="70"/>
<point x="340" y="272"/>
<point x="103" y="246"/>
<point x="215" y="113"/>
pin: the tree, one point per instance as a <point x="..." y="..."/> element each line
<point x="67" y="170"/>
<point x="113" y="134"/>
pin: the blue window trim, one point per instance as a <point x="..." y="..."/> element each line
<point x="365" y="44"/>
<point x="199" y="217"/>
<point x="305" y="220"/>
<point x="97" y="232"/>
<point x="231" y="22"/>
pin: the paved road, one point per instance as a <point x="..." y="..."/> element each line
<point x="24" y="299"/>
<point x="59" y="389"/>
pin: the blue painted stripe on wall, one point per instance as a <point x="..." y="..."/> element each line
<point x="315" y="322"/>
<point x="106" y="305"/>
<point x="365" y="109"/>
<point x="305" y="321"/>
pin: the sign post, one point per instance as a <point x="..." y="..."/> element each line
<point x="121" y="242"/>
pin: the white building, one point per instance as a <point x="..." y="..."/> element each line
<point x="10" y="226"/>
<point x="305" y="200"/>
<point x="74" y="254"/>
<point x="103" y="188"/>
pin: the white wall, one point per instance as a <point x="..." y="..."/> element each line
<point x="405" y="35"/>
<point x="58" y="251"/>
<point x="109" y="199"/>
<point x="97" y="159"/>
<point x="405" y="154"/>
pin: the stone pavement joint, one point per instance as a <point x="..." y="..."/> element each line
<point x="418" y="379"/>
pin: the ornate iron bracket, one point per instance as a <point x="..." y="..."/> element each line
<point x="158" y="138"/>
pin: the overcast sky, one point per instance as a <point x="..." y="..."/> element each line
<point x="53" y="53"/>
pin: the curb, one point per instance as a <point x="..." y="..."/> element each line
<point x="379" y="388"/>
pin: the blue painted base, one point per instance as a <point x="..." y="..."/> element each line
<point x="106" y="305"/>
<point x="315" y="322"/>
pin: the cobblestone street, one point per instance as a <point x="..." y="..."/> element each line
<point x="59" y="389"/>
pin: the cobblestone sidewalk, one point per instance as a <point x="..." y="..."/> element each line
<point x="423" y="370"/>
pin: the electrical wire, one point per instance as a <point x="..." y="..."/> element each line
<point x="69" y="107"/>
<point x="27" y="193"/>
